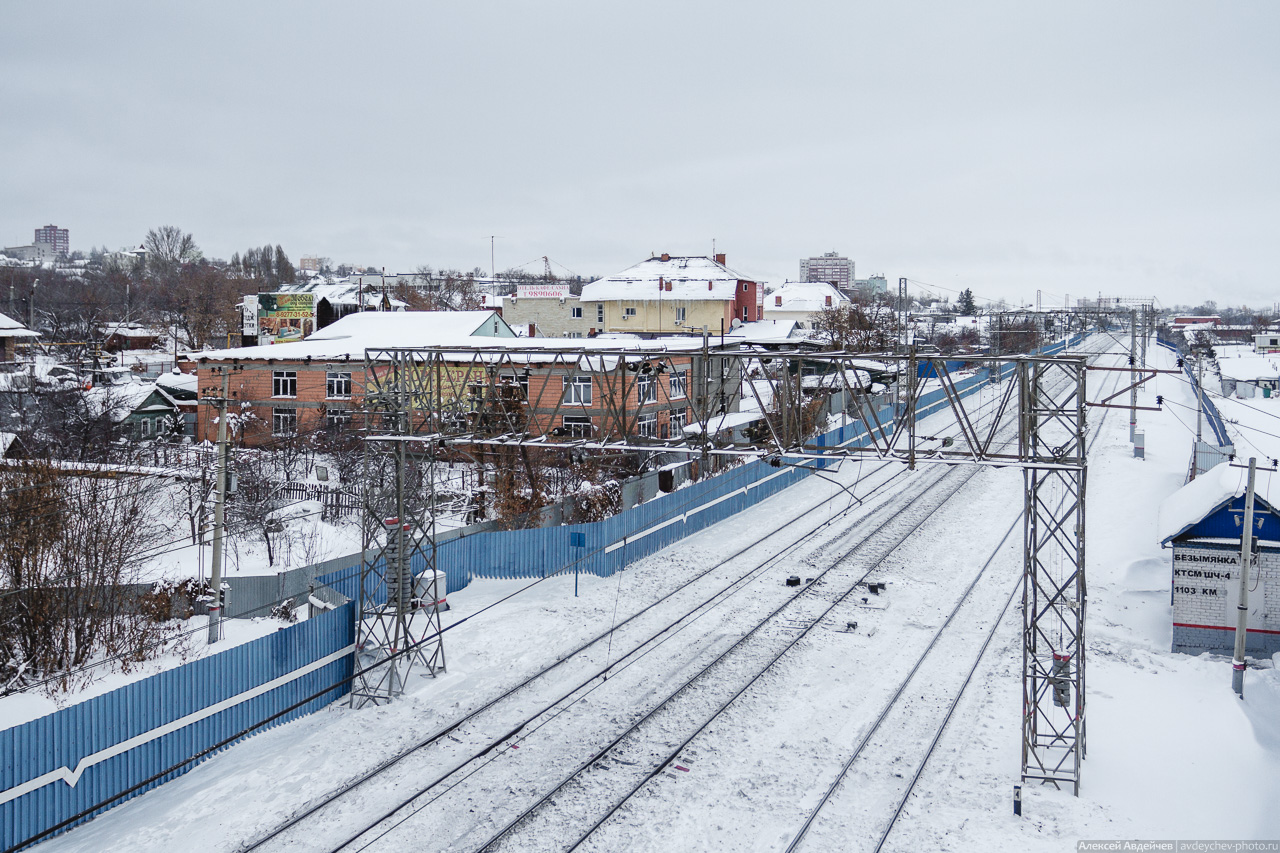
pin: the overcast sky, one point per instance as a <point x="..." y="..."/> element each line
<point x="1128" y="148"/>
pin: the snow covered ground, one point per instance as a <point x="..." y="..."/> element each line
<point x="1171" y="752"/>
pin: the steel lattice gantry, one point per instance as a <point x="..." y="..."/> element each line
<point x="1052" y="426"/>
<point x="422" y="405"/>
<point x="399" y="623"/>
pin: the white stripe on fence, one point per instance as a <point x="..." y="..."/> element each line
<point x="71" y="777"/>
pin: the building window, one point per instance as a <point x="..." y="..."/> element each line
<point x="744" y="287"/>
<point x="679" y="420"/>
<point x="577" y="390"/>
<point x="647" y="425"/>
<point x="573" y="334"/>
<point x="646" y="389"/>
<point x="680" y="316"/>
<point x="628" y="312"/>
<point x="146" y="426"/>
<point x="284" y="383"/>
<point x="576" y="426"/>
<point x="284" y="421"/>
<point x="744" y="313"/>
<point x="337" y="419"/>
<point x="680" y="384"/>
<point x="600" y="313"/>
<point x="576" y="312"/>
<point x="338" y="386"/>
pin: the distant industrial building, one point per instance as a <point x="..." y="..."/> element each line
<point x="830" y="268"/>
<point x="34" y="252"/>
<point x="57" y="238"/>
<point x="871" y="286"/>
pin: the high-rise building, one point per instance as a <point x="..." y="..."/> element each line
<point x="58" y="238"/>
<point x="830" y="268"/>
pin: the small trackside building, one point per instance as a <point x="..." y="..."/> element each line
<point x="1202" y="523"/>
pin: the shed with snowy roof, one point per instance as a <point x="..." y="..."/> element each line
<point x="1202" y="524"/>
<point x="12" y="332"/>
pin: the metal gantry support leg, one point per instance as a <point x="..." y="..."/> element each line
<point x="399" y="620"/>
<point x="1053" y="597"/>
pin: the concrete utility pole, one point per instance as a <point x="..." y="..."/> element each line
<point x="1133" y="375"/>
<point x="1199" y="400"/>
<point x="215" y="570"/>
<point x="1242" y="607"/>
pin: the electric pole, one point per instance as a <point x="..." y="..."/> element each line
<point x="215" y="570"/>
<point x="1242" y="607"/>
<point x="1133" y="375"/>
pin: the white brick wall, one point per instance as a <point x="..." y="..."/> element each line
<point x="1206" y="586"/>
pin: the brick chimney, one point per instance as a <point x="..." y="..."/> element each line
<point x="665" y="256"/>
<point x="777" y="302"/>
<point x="661" y="286"/>
<point x="720" y="259"/>
<point x="709" y="287"/>
<point x="828" y="300"/>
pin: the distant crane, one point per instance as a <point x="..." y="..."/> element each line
<point x="546" y="268"/>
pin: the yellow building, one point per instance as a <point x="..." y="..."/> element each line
<point x="669" y="294"/>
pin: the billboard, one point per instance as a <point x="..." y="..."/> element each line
<point x="285" y="317"/>
<point x="542" y="291"/>
<point x="249" y="322"/>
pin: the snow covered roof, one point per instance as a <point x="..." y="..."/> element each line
<point x="804" y="296"/>
<point x="131" y="330"/>
<point x="1208" y="493"/>
<point x="732" y="420"/>
<point x="11" y="328"/>
<point x="117" y="401"/>
<point x="1248" y="368"/>
<point x="341" y="291"/>
<point x="353" y="334"/>
<point x="690" y="278"/>
<point x="839" y="380"/>
<point x="763" y="332"/>
<point x="177" y="382"/>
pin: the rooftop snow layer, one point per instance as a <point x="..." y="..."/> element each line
<point x="691" y="279"/>
<point x="176" y="380"/>
<point x="341" y="291"/>
<point x="1207" y="493"/>
<point x="355" y="333"/>
<point x="1249" y="368"/>
<point x="11" y="328"/>
<point x="806" y="296"/>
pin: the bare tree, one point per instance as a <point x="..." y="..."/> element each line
<point x="72" y="548"/>
<point x="168" y="248"/>
<point x="856" y="326"/>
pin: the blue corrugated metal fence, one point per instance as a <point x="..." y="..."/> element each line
<point x="59" y="765"/>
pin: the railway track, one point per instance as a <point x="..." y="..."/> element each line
<point x="706" y="590"/>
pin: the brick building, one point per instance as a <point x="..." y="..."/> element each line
<point x="289" y="389"/>
<point x="58" y="239"/>
<point x="1201" y="522"/>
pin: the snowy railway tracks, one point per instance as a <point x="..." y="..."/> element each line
<point x="481" y="730"/>
<point x="623" y="763"/>
<point x="566" y="816"/>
